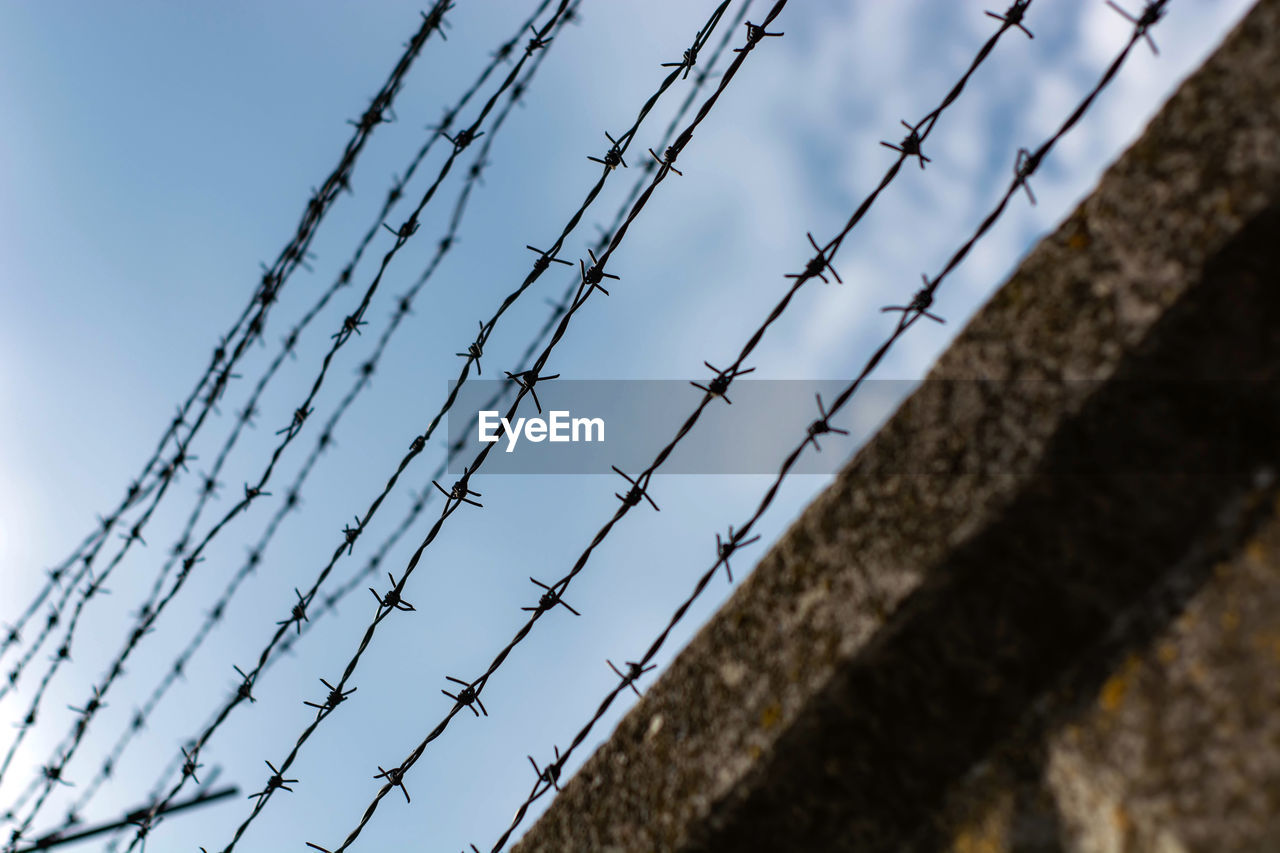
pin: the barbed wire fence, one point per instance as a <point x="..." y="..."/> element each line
<point x="220" y="371"/>
<point x="350" y="327"/>
<point x="1026" y="164"/>
<point x="591" y="278"/>
<point x="364" y="374"/>
<point x="612" y="159"/>
<point x="289" y="343"/>
<point x="358" y="580"/>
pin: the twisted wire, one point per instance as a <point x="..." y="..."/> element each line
<point x="350" y="327"/>
<point x="1026" y="165"/>
<point x="289" y="342"/>
<point x="468" y="694"/>
<point x="220" y="371"/>
<point x="418" y="445"/>
<point x="292" y="496"/>
<point x="359" y="579"/>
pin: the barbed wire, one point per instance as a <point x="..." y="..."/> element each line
<point x="638" y="486"/>
<point x="221" y="367"/>
<point x="290" y="341"/>
<point x="467" y="693"/>
<point x="1026" y="165"/>
<point x="13" y="631"/>
<point x="351" y="534"/>
<point x="822" y="263"/>
<point x="350" y="326"/>
<point x="292" y="499"/>
<point x="359" y="578"/>
<point x="88" y="548"/>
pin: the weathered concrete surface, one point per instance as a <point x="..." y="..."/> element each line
<point x="967" y="643"/>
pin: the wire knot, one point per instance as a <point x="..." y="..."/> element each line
<point x="549" y="599"/>
<point x="395" y="778"/>
<point x="719" y="386"/>
<point x="755" y="34"/>
<point x="298" y="614"/>
<point x="613" y="157"/>
<point x="821" y="426"/>
<point x="910" y="145"/>
<point x="725" y="548"/>
<point x="468" y="697"/>
<point x="527" y="379"/>
<point x="475" y="350"/>
<point x="919" y="304"/>
<point x="391" y="600"/>
<point x="633" y="673"/>
<point x="277" y="780"/>
<point x="593" y="275"/>
<point x="334" y="698"/>
<point x="550" y="775"/>
<point x="545" y="260"/>
<point x="637" y="492"/>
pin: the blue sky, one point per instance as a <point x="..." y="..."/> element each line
<point x="154" y="153"/>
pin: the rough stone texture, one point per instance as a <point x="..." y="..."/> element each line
<point x="968" y="642"/>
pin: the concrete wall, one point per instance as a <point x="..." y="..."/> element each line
<point x="1041" y="609"/>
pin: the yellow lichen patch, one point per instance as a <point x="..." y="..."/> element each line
<point x="1167" y="651"/>
<point x="1120" y="818"/>
<point x="971" y="842"/>
<point x="1223" y="203"/>
<point x="1199" y="675"/>
<point x="771" y="716"/>
<point x="1230" y="620"/>
<point x="1256" y="551"/>
<point x="1113" y="691"/>
<point x="1268" y="641"/>
<point x="986" y="832"/>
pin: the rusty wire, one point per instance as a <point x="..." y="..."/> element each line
<point x="324" y="440"/>
<point x="350" y="327"/>
<point x="1026" y="164"/>
<point x="219" y="373"/>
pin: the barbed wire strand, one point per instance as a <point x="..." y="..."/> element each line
<point x="359" y="579"/>
<point x="137" y="491"/>
<point x="1027" y="164"/>
<point x="419" y="443"/>
<point x="637" y="492"/>
<point x="291" y="257"/>
<point x="13" y="630"/>
<point x="210" y="482"/>
<point x="349" y="327"/>
<point x="290" y="341"/>
<point x="467" y="695"/>
<point x="273" y="280"/>
<point x="13" y="634"/>
<point x="94" y="704"/>
<point x="293" y="496"/>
